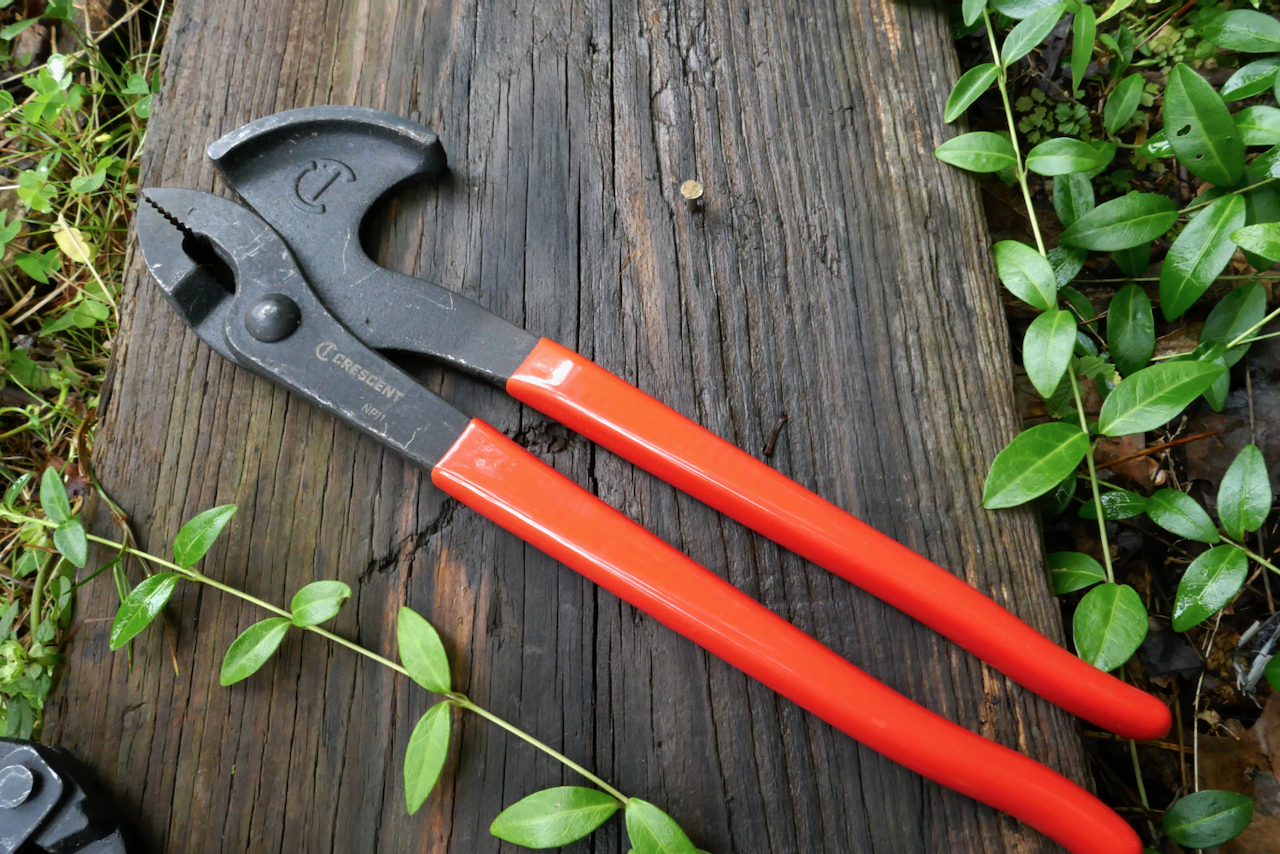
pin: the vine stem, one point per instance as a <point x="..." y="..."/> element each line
<point x="1243" y="336"/>
<point x="1002" y="80"/>
<point x="1252" y="554"/>
<point x="462" y="701"/>
<point x="1093" y="479"/>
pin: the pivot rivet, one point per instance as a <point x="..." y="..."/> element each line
<point x="272" y="318"/>
<point x="16" y="784"/>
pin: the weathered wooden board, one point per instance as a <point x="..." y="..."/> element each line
<point x="838" y="274"/>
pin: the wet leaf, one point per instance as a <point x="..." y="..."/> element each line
<point x="318" y="601"/>
<point x="1072" y="198"/>
<point x="424" y="758"/>
<point x="1029" y="32"/>
<point x="1244" y="497"/>
<point x="1252" y="79"/>
<point x="69" y="540"/>
<point x="1063" y="156"/>
<point x="1131" y="330"/>
<point x="1072" y="571"/>
<point x="1109" y="625"/>
<point x="250" y="651"/>
<point x="1157" y="146"/>
<point x="1208" y="818"/>
<point x="422" y="653"/>
<point x="142" y="606"/>
<point x="1200" y="128"/>
<point x="1259" y="125"/>
<point x="1262" y="239"/>
<point x="1058" y="499"/>
<point x="1035" y="462"/>
<point x="652" y="831"/>
<point x="1210" y="582"/>
<point x="1153" y="396"/>
<point x="198" y="536"/>
<point x="1261" y="204"/>
<point x="554" y="817"/>
<point x="1199" y="254"/>
<point x="1122" y="223"/>
<point x="1026" y="273"/>
<point x="1244" y="30"/>
<point x="1116" y="504"/>
<point x="1123" y="102"/>
<point x="1181" y="514"/>
<point x="1047" y="347"/>
<point x="971" y="84"/>
<point x="979" y="151"/>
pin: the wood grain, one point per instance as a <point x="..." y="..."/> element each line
<point x="838" y="274"/>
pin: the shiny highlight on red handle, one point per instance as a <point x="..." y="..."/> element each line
<point x="491" y="474"/>
<point x="616" y="415"/>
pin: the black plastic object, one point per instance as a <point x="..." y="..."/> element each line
<point x="314" y="174"/>
<point x="48" y="805"/>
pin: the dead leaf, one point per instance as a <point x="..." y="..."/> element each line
<point x="1143" y="471"/>
<point x="1181" y="340"/>
<point x="73" y="244"/>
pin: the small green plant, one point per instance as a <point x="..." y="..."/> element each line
<point x="1070" y="343"/>
<point x="545" y="819"/>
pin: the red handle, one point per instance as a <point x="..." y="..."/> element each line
<point x="488" y="472"/>
<point x="615" y="414"/>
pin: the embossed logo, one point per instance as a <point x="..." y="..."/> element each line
<point x="326" y="351"/>
<point x="314" y="181"/>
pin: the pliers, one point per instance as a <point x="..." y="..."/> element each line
<point x="288" y="293"/>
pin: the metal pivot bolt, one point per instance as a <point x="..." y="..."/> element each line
<point x="692" y="192"/>
<point x="16" y="784"/>
<point x="272" y="318"/>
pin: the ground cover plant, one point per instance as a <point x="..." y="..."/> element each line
<point x="1144" y="139"/>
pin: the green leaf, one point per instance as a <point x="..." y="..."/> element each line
<point x="1028" y="33"/>
<point x="88" y="183"/>
<point x="1072" y="196"/>
<point x="1072" y="571"/>
<point x="1244" y="30"/>
<point x="1199" y="254"/>
<point x="972" y="10"/>
<point x="1210" y="817"/>
<point x="1261" y="205"/>
<point x="1123" y="102"/>
<point x="1259" y="125"/>
<point x="198" y="535"/>
<point x="979" y="151"/>
<point x="652" y="831"/>
<point x="1262" y="239"/>
<point x="1153" y="396"/>
<point x="1067" y="262"/>
<point x="422" y="653"/>
<point x="1134" y="261"/>
<point x="1131" y="330"/>
<point x="424" y="758"/>
<point x="142" y="606"/>
<point x="1244" y="497"/>
<point x="1116" y="504"/>
<point x="317" y="602"/>
<point x="1019" y="9"/>
<point x="14" y="492"/>
<point x="1181" y="514"/>
<point x="251" y="650"/>
<point x="1210" y="582"/>
<point x="20" y="718"/>
<point x="1084" y="31"/>
<point x="1116" y="7"/>
<point x="1026" y="273"/>
<point x="1058" y="499"/>
<point x="1157" y="146"/>
<point x="1273" y="672"/>
<point x="1252" y="79"/>
<point x="1033" y="463"/>
<point x="971" y="84"/>
<point x="554" y="817"/>
<point x="1236" y="313"/>
<point x="1063" y="156"/>
<point x="53" y="496"/>
<point x="1121" y="223"/>
<point x="1047" y="348"/>
<point x="10" y="32"/>
<point x="1200" y="128"/>
<point x="1109" y="625"/>
<point x="70" y="541"/>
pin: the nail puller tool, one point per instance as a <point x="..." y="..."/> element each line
<point x="306" y="308"/>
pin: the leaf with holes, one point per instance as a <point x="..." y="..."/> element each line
<point x="1131" y="329"/>
<point x="1199" y="254"/>
<point x="1259" y="125"/>
<point x="422" y="653"/>
<point x="1122" y="223"/>
<point x="1116" y="504"/>
<point x="1179" y="513"/>
<point x="1063" y="156"/>
<point x="141" y="606"/>
<point x="1210" y="582"/>
<point x="1200" y="128"/>
<point x="554" y="817"/>
<point x="198" y="536"/>
<point x="1026" y="273"/>
<point x="979" y="151"/>
<point x="971" y="84"/>
<point x="1035" y="462"/>
<point x="1072" y="571"/>
<point x="1252" y="79"/>
<point x="1028" y="33"/>
<point x="1047" y="348"/>
<point x="1109" y="625"/>
<point x="1153" y="396"/>
<point x="1122" y="103"/>
<point x="1244" y="30"/>
<point x="1244" y="497"/>
<point x="424" y="758"/>
<point x="250" y="651"/>
<point x="1208" y="818"/>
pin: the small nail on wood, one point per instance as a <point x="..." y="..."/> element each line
<point x="692" y="192"/>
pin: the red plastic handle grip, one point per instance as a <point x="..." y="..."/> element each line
<point x="491" y="474"/>
<point x="615" y="414"/>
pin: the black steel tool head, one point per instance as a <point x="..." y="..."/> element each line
<point x="314" y="174"/>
